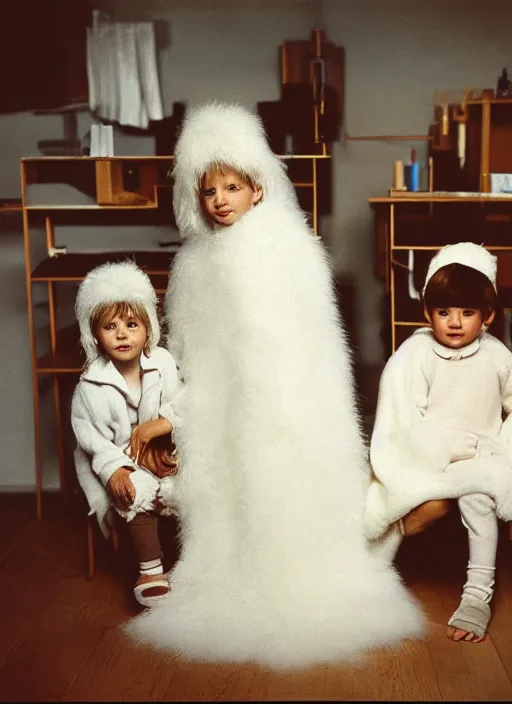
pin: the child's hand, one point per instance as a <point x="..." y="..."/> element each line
<point x="121" y="487"/>
<point x="145" y="432"/>
<point x="463" y="446"/>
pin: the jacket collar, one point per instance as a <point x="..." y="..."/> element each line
<point x="102" y="371"/>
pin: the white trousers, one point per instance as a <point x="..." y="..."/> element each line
<point x="478" y="514"/>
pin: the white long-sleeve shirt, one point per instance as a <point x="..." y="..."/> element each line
<point x="466" y="388"/>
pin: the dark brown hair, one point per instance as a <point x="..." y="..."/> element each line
<point x="460" y="286"/>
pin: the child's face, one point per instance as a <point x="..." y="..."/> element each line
<point x="122" y="339"/>
<point x="225" y="197"/>
<point x="457" y="327"/>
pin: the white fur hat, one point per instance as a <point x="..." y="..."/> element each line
<point x="473" y="255"/>
<point x="114" y="282"/>
<point x="220" y="133"/>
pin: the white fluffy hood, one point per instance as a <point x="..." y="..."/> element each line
<point x="218" y="133"/>
<point x="114" y="282"/>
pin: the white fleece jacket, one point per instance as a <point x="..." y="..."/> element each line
<point x="103" y="414"/>
<point x="435" y="407"/>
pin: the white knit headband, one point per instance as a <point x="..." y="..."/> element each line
<point x="467" y="253"/>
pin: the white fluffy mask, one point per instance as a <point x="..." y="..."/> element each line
<point x="467" y="253"/>
<point x="114" y="282"/>
<point x="220" y="133"/>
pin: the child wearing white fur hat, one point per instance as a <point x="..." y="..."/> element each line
<point x="439" y="432"/>
<point x="123" y="401"/>
<point x="274" y="566"/>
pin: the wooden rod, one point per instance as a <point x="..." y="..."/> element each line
<point x="50" y="236"/>
<point x="394" y="262"/>
<point x="315" y="197"/>
<point x="392" y="277"/>
<point x="33" y="351"/>
<point x="389" y="138"/>
<point x="485" y="148"/>
<point x="411" y="323"/>
<point x="52" y="315"/>
<point x="435" y="247"/>
<point x="91" y="566"/>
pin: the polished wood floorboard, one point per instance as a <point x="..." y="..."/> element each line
<point x="61" y="640"/>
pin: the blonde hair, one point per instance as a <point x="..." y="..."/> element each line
<point x="122" y="309"/>
<point x="222" y="169"/>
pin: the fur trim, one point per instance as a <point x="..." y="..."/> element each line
<point x="467" y="253"/>
<point x="114" y="282"/>
<point x="219" y="133"/>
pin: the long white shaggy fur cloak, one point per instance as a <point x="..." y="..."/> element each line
<point x="274" y="565"/>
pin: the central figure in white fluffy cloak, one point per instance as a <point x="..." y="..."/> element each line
<point x="274" y="566"/>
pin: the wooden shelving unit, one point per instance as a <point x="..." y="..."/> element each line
<point x="116" y="188"/>
<point x="10" y="205"/>
<point x="411" y="227"/>
<point x="422" y="226"/>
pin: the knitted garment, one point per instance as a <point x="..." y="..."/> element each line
<point x="468" y="254"/>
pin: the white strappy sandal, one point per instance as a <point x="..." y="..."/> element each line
<point x="148" y="593"/>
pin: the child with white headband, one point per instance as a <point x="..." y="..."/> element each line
<point x="439" y="432"/>
<point x="123" y="401"/>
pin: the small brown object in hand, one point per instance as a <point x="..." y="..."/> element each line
<point x="157" y="456"/>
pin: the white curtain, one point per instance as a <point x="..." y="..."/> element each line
<point x="122" y="72"/>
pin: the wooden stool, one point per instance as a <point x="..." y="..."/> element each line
<point x="91" y="559"/>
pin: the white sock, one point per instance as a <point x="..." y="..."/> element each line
<point x="151" y="567"/>
<point x="480" y="582"/>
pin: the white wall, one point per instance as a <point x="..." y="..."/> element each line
<point x="19" y="135"/>
<point x="225" y="50"/>
<point x="397" y="53"/>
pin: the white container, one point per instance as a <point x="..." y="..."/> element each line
<point x="501" y="183"/>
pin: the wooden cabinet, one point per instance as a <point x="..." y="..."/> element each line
<point x="488" y="140"/>
<point x="411" y="226"/>
<point x="409" y="231"/>
<point x="43" y="53"/>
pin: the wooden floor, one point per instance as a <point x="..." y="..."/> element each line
<point x="60" y="638"/>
